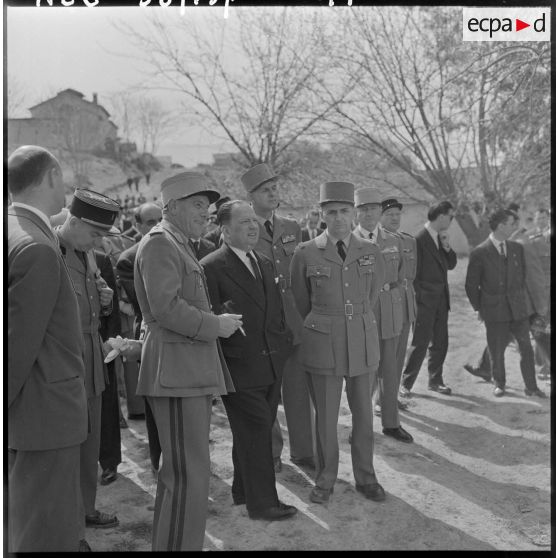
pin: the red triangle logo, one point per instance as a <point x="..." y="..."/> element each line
<point x="519" y="25"/>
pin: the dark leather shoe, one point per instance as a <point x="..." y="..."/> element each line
<point x="537" y="392"/>
<point x="275" y="513"/>
<point x="277" y="465"/>
<point x="101" y="520"/>
<point x="84" y="546"/>
<point x="320" y="495"/>
<point x="440" y="388"/>
<point x="108" y="476"/>
<point x="499" y="392"/>
<point x="304" y="462"/>
<point x="239" y="500"/>
<point x="372" y="491"/>
<point x="477" y="372"/>
<point x="399" y="434"/>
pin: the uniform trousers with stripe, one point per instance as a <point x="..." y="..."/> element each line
<point x="251" y="413"/>
<point x="44" y="500"/>
<point x="89" y="457"/>
<point x="110" y="455"/>
<point x="298" y="411"/>
<point x="325" y="391"/>
<point x="388" y="380"/>
<point x="183" y="480"/>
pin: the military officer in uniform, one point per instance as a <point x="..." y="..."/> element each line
<point x="181" y="362"/>
<point x="336" y="280"/>
<point x="91" y="216"/>
<point x="391" y="220"/>
<point x="388" y="310"/>
<point x="278" y="240"/>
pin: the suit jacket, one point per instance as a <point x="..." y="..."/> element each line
<point x="280" y="250"/>
<point x="431" y="281"/>
<point x="47" y="405"/>
<point x="214" y="237"/>
<point x="494" y="285"/>
<point x="257" y="359"/>
<point x="181" y="355"/>
<point x="205" y="247"/>
<point x="336" y="299"/>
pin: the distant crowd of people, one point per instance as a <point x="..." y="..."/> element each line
<point x="196" y="296"/>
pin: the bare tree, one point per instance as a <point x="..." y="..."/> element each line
<point x="123" y="107"/>
<point x="426" y="102"/>
<point x="155" y="123"/>
<point x="263" y="79"/>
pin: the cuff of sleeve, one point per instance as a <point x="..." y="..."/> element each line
<point x="209" y="327"/>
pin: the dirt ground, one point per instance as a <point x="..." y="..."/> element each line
<point x="477" y="476"/>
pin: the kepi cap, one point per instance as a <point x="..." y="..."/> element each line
<point x="253" y="178"/>
<point x="389" y="203"/>
<point x="95" y="209"/>
<point x="364" y="196"/>
<point x="186" y="184"/>
<point x="337" y="192"/>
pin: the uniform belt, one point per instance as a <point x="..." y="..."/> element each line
<point x="347" y="310"/>
<point x="389" y="286"/>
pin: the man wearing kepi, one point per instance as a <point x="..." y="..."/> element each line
<point x="390" y="221"/>
<point x="181" y="365"/>
<point x="336" y="280"/>
<point x="91" y="216"/>
<point x="46" y="400"/>
<point x="277" y="240"/>
<point x="241" y="280"/>
<point x="388" y="309"/>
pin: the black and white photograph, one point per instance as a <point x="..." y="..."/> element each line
<point x="279" y="277"/>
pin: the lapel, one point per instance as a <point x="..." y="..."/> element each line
<point x="355" y="247"/>
<point x="277" y="228"/>
<point x="329" y="251"/>
<point x="431" y="246"/>
<point x="180" y="240"/>
<point x="239" y="274"/>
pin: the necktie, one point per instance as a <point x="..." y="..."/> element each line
<point x="371" y="236"/>
<point x="255" y="267"/>
<point x="502" y="250"/>
<point x="269" y="228"/>
<point x="194" y="246"/>
<point x="341" y="249"/>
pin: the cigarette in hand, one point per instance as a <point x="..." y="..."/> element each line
<point x="242" y="331"/>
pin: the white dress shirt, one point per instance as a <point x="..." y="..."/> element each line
<point x="244" y="258"/>
<point x="497" y="244"/>
<point x="433" y="233"/>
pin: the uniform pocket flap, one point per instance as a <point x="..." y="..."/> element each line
<point x="323" y="325"/>
<point x="318" y="271"/>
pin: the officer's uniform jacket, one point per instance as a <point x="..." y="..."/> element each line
<point x="82" y="269"/>
<point x="410" y="272"/>
<point x="335" y="299"/>
<point x="280" y="250"/>
<point x="181" y="356"/>
<point x="389" y="311"/>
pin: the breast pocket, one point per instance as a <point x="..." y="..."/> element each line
<point x="391" y="260"/>
<point x="319" y="275"/>
<point x="365" y="273"/>
<point x="411" y="263"/>
<point x="289" y="248"/>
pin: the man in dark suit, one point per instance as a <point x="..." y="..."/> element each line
<point x="46" y="400"/>
<point x="312" y="228"/>
<point x="496" y="287"/>
<point x="434" y="258"/>
<point x="242" y="281"/>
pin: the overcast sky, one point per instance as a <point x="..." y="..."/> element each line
<point x="51" y="49"/>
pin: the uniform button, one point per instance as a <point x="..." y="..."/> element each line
<point x="277" y="261"/>
<point x="348" y="302"/>
<point x="93" y="314"/>
<point x="313" y="325"/>
<point x="349" y="317"/>
<point x="91" y="297"/>
<point x="346" y="269"/>
<point x="346" y="284"/>
<point x="275" y="247"/>
<point x="88" y="280"/>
